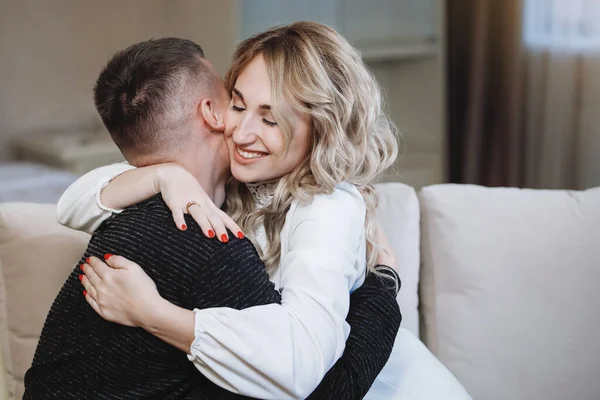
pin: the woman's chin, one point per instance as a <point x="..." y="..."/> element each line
<point x="243" y="175"/>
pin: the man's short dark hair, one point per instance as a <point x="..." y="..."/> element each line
<point x="145" y="93"/>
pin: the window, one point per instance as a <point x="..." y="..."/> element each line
<point x="562" y="24"/>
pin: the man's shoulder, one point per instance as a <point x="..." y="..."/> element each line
<point x="145" y="215"/>
<point x="154" y="206"/>
<point x="151" y="222"/>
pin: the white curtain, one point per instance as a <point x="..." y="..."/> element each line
<point x="562" y="93"/>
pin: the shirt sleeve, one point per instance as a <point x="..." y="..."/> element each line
<point x="375" y="318"/>
<point x="80" y="207"/>
<point x="283" y="351"/>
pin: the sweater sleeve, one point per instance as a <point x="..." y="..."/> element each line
<point x="80" y="207"/>
<point x="375" y="319"/>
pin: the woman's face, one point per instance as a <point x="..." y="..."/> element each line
<point x="254" y="140"/>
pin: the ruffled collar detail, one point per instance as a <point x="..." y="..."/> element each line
<point x="262" y="192"/>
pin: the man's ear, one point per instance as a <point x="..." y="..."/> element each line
<point x="211" y="114"/>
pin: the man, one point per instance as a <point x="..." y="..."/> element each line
<point x="161" y="102"/>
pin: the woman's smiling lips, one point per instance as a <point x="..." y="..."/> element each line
<point x="247" y="157"/>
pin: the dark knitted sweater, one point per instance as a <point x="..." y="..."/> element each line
<point x="82" y="356"/>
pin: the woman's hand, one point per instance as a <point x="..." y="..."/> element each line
<point x="385" y="254"/>
<point x="119" y="290"/>
<point x="179" y="188"/>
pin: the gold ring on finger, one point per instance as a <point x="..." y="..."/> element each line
<point x="191" y="203"/>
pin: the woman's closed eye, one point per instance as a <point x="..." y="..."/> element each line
<point x="239" y="109"/>
<point x="269" y="123"/>
<point x="265" y="121"/>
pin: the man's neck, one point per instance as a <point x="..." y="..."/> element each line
<point x="205" y="166"/>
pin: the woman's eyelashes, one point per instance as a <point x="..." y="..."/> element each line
<point x="264" y="120"/>
<point x="269" y="123"/>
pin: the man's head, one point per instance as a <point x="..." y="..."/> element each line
<point x="158" y="96"/>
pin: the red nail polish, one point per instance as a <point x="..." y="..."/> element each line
<point x="224" y="238"/>
<point x="87" y="260"/>
<point x="183" y="227"/>
<point x="211" y="233"/>
<point x="240" y="235"/>
<point x="107" y="256"/>
<point x="84" y="293"/>
<point x="80" y="277"/>
<point x="81" y="267"/>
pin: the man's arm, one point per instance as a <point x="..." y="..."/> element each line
<point x="375" y="318"/>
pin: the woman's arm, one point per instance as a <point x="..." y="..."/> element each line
<point x="110" y="189"/>
<point x="285" y="350"/>
<point x="107" y="190"/>
<point x="374" y="317"/>
<point x="80" y="207"/>
<point x="131" y="187"/>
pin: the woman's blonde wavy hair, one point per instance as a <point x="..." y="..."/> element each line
<point x="314" y="70"/>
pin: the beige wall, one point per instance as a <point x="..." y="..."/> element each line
<point x="51" y="52"/>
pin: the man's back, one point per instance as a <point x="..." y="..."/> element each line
<point x="80" y="355"/>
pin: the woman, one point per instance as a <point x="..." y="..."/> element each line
<point x="307" y="137"/>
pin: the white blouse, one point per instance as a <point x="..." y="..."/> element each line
<point x="276" y="351"/>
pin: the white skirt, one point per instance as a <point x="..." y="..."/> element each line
<point x="414" y="373"/>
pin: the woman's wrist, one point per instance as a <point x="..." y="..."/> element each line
<point x="170" y="323"/>
<point x="152" y="315"/>
<point x="131" y="187"/>
<point x="164" y="173"/>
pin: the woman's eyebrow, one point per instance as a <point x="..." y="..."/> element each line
<point x="238" y="93"/>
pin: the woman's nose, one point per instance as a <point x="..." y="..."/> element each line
<point x="246" y="131"/>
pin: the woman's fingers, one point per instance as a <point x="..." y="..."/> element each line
<point x="88" y="286"/>
<point x="179" y="219"/>
<point x="91" y="274"/>
<point x="92" y="302"/>
<point x="201" y="219"/>
<point x="119" y="262"/>
<point x="214" y="222"/>
<point x="218" y="226"/>
<point x="230" y="224"/>
<point x="99" y="267"/>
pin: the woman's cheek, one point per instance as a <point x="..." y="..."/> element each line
<point x="274" y="141"/>
<point x="230" y="123"/>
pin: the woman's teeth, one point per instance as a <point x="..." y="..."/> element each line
<point x="247" y="154"/>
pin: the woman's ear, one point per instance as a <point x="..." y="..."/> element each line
<point x="211" y="114"/>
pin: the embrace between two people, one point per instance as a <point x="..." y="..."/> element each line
<point x="297" y="297"/>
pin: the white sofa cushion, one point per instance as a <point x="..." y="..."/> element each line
<point x="36" y="255"/>
<point x="509" y="289"/>
<point x="398" y="213"/>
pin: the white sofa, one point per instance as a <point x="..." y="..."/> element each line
<point x="501" y="284"/>
<point x="34" y="183"/>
